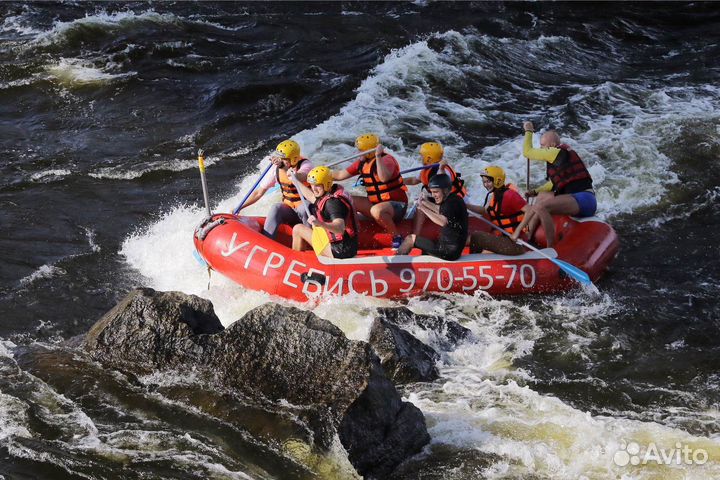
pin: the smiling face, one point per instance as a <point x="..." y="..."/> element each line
<point x="317" y="190"/>
<point x="487" y="183"/>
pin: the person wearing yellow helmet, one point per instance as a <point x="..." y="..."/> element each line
<point x="334" y="213"/>
<point x="506" y="208"/>
<point x="386" y="200"/>
<point x="449" y="212"/>
<point x="286" y="158"/>
<point x="569" y="189"/>
<point x="431" y="155"/>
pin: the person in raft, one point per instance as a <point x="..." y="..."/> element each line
<point x="286" y="158"/>
<point x="569" y="189"/>
<point x="506" y="209"/>
<point x="431" y="156"/>
<point x="386" y="200"/>
<point x="449" y="212"/>
<point x="334" y="213"/>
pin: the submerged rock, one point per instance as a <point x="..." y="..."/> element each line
<point x="273" y="353"/>
<point x="449" y="331"/>
<point x="404" y="358"/>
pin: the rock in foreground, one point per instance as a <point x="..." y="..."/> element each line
<point x="272" y="353"/>
<point x="404" y="358"/>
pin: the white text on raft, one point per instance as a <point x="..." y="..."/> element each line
<point x="418" y="279"/>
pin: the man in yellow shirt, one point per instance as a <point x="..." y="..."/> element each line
<point x="569" y="189"/>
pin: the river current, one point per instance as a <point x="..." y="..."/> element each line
<point x="104" y="105"/>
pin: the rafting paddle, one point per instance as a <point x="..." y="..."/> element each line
<point x="571" y="270"/>
<point x="358" y="154"/>
<point x="320" y="239"/>
<point x="239" y="207"/>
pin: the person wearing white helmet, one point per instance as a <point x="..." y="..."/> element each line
<point x="286" y="158"/>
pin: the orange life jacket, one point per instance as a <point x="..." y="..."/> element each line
<point x="458" y="183"/>
<point x="351" y="229"/>
<point x="506" y="220"/>
<point x="291" y="197"/>
<point x="377" y="190"/>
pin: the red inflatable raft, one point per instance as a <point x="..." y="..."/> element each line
<point x="234" y="247"/>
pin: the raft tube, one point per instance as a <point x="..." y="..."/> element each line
<point x="235" y="247"/>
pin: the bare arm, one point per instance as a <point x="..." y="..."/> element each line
<point x="433" y="213"/>
<point x="336" y="226"/>
<point x="384" y="172"/>
<point x="254" y="197"/>
<point x="411" y="181"/>
<point x="340" y="175"/>
<point x="476" y="209"/>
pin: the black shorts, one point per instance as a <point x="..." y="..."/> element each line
<point x="345" y="249"/>
<point x="429" y="247"/>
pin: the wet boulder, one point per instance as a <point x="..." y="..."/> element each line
<point x="151" y="330"/>
<point x="404" y="358"/>
<point x="274" y="354"/>
<point x="446" y="331"/>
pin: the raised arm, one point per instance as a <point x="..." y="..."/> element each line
<point x="385" y="170"/>
<point x="544" y="154"/>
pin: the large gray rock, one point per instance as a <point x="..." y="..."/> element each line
<point x="404" y="358"/>
<point x="151" y="330"/>
<point x="273" y="353"/>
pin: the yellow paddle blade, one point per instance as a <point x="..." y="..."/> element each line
<point x="320" y="240"/>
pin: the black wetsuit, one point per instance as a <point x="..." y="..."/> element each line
<point x="453" y="236"/>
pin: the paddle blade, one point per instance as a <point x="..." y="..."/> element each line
<point x="573" y="271"/>
<point x="320" y="240"/>
<point x="199" y="259"/>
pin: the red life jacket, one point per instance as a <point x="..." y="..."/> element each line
<point x="291" y="197"/>
<point x="351" y="229"/>
<point x="457" y="182"/>
<point x="567" y="169"/>
<point x="504" y="219"/>
<point x="377" y="190"/>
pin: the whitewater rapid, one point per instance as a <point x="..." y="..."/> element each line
<point x="482" y="402"/>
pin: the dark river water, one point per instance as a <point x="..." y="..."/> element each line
<point x="103" y="106"/>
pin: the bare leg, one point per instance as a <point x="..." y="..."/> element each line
<point x="547" y="223"/>
<point x="527" y="218"/>
<point x="302" y="236"/>
<point x="418" y="222"/>
<point x="562" y="205"/>
<point x="383" y="214"/>
<point x="407" y="245"/>
<point x="542" y="198"/>
<point x="483" y="241"/>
